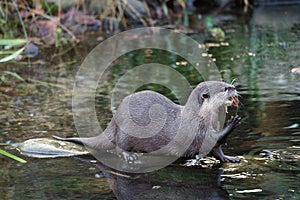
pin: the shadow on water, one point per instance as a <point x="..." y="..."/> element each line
<point x="260" y="54"/>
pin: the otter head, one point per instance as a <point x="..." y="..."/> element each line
<point x="215" y="95"/>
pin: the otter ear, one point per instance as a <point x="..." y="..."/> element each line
<point x="203" y="96"/>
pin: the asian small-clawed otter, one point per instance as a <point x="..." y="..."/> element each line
<point x="176" y="130"/>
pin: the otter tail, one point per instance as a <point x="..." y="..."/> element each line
<point x="97" y="142"/>
<point x="103" y="141"/>
<point x="75" y="140"/>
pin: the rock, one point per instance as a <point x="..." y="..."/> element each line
<point x="135" y="10"/>
<point x="296" y="70"/>
<point x="50" y="148"/>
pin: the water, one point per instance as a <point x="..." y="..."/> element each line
<point x="260" y="55"/>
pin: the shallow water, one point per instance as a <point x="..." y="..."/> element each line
<point x="259" y="53"/>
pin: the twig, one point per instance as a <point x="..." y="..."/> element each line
<point x="19" y="15"/>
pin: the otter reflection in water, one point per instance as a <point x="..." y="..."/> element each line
<point x="172" y="182"/>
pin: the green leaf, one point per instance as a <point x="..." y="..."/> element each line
<point x="12" y="156"/>
<point x="13" y="42"/>
<point x="12" y="56"/>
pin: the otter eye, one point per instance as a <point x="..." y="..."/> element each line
<point x="205" y="96"/>
<point x="226" y="88"/>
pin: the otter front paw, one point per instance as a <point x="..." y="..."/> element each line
<point x="231" y="124"/>
<point x="234" y="121"/>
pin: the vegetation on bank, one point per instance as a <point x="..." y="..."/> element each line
<point x="55" y="22"/>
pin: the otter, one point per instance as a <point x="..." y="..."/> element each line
<point x="149" y="122"/>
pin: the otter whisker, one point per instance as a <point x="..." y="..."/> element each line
<point x="233" y="80"/>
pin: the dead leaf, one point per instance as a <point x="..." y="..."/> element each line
<point x="46" y="29"/>
<point x="73" y="20"/>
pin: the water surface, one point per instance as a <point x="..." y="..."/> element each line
<point x="259" y="52"/>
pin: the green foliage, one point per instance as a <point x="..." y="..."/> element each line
<point x="5" y="153"/>
<point x="8" y="29"/>
<point x="49" y="7"/>
<point x="217" y="32"/>
<point x="13" y="42"/>
<point x="10" y="43"/>
<point x="12" y="56"/>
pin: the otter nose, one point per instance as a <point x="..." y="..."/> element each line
<point x="230" y="88"/>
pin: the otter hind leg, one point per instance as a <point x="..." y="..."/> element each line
<point x="218" y="153"/>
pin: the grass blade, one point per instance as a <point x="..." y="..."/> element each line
<point x="13" y="42"/>
<point x="14" y="74"/>
<point x="47" y="84"/>
<point x="5" y="153"/>
<point x="12" y="56"/>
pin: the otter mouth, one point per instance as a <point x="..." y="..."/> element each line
<point x="231" y="101"/>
